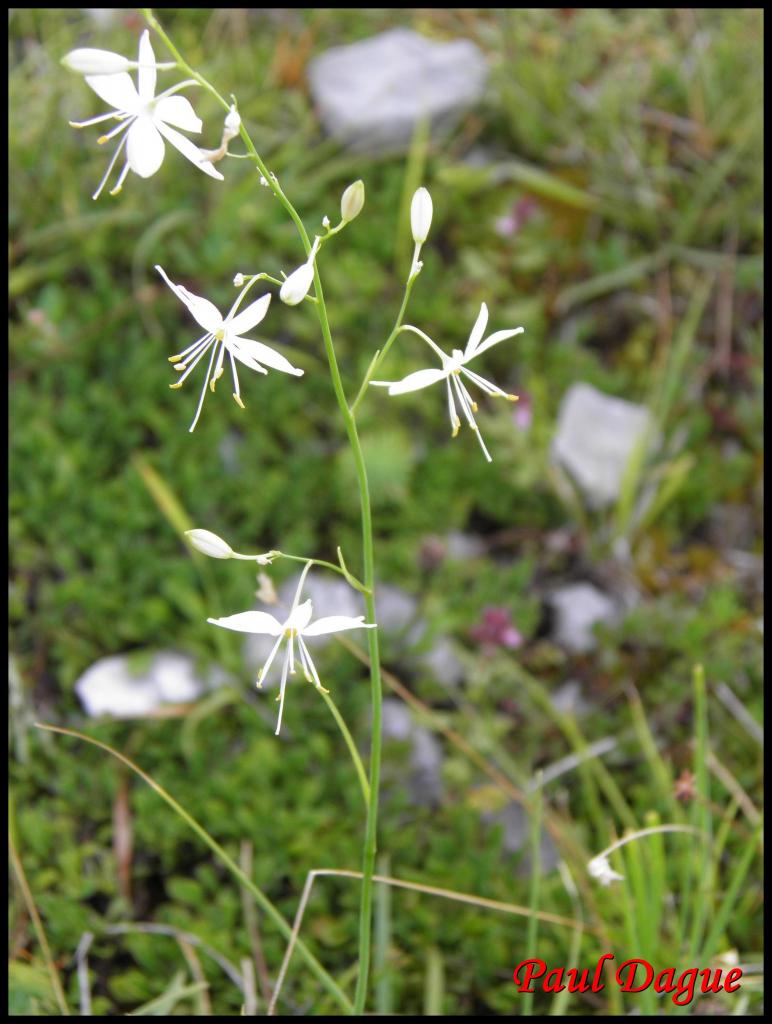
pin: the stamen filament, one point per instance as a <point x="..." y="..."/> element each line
<point x="110" y="166"/>
<point x="203" y="389"/>
<point x="191" y="367"/>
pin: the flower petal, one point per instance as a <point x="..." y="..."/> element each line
<point x="416" y="381"/>
<point x="145" y="148"/>
<point x="335" y="624"/>
<point x="117" y="90"/>
<point x="178" y="111"/>
<point x="300" y="616"/>
<point x="146" y="76"/>
<point x="477" y="331"/>
<point x="249" y="317"/>
<point x="204" y="312"/>
<point x="245" y="358"/>
<point x="189" y="150"/>
<point x="262" y="354"/>
<point x="250" y="622"/>
<point x="494" y="340"/>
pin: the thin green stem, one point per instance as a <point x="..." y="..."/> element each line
<point x="380" y="356"/>
<point x="370" y="844"/>
<point x="371" y="828"/>
<point x="37" y="924"/>
<point x="324" y="565"/>
<point x="349" y="740"/>
<point x="262" y="900"/>
<point x="532" y="928"/>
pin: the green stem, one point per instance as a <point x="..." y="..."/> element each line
<point x="370" y="844"/>
<point x="380" y="356"/>
<point x="371" y="828"/>
<point x="324" y="565"/>
<point x="349" y="740"/>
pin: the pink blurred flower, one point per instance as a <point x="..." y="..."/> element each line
<point x="519" y="215"/>
<point x="496" y="630"/>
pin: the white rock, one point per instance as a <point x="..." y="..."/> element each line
<point x="397" y="610"/>
<point x="516" y="836"/>
<point x="463" y="547"/>
<point x="425" y="779"/>
<point x="577" y="608"/>
<point x="370" y="95"/>
<point x="568" y="699"/>
<point x="111" y="686"/>
<point x="594" y="439"/>
<point x="442" y="662"/>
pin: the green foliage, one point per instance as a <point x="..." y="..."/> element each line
<point x="630" y="142"/>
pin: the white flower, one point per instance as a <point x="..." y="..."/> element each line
<point x="296" y="287"/>
<point x="600" y="869"/>
<point x="88" y="61"/>
<point x="454" y="367"/>
<point x="145" y="119"/>
<point x="209" y="543"/>
<point x="352" y="201"/>
<point x="224" y="335"/>
<point x="296" y="626"/>
<point x="421" y="215"/>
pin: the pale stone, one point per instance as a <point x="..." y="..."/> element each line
<point x="370" y="95"/>
<point x="595" y="437"/>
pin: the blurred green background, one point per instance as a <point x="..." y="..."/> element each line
<point x="606" y="194"/>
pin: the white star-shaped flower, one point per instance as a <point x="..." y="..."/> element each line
<point x="145" y="119"/>
<point x="296" y="626"/>
<point x="224" y="335"/>
<point x="454" y="367"/>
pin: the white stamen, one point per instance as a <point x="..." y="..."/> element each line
<point x="203" y="390"/>
<point x="110" y="166"/>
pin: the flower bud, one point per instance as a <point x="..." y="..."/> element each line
<point x="88" y="61"/>
<point x="421" y="215"/>
<point x="295" y="288"/>
<point x="209" y="543"/>
<point x="352" y="201"/>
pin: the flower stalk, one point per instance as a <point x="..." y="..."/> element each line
<point x="144" y="121"/>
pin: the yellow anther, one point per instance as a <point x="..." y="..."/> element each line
<point x="474" y="406"/>
<point x="116" y="190"/>
<point x="456" y="428"/>
<point x="180" y="368"/>
<point x="238" y="401"/>
<point x="101" y="140"/>
<point x="175" y="386"/>
<point x="512" y="398"/>
<point x="174" y="359"/>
